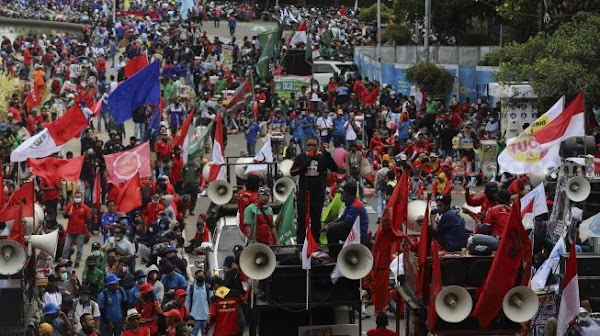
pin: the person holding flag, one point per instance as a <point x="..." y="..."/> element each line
<point x="259" y="217"/>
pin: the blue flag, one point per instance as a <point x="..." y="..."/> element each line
<point x="142" y="88"/>
<point x="154" y="125"/>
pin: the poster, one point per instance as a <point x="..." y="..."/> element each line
<point x="227" y="52"/>
<point x="285" y="85"/>
<point x="547" y="309"/>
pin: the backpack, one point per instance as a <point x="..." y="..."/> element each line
<point x="124" y="302"/>
<point x="191" y="293"/>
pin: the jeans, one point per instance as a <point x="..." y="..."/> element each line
<point x="198" y="327"/>
<point x="380" y="202"/>
<point x="139" y="131"/>
<point x="251" y="147"/>
<point x="116" y="331"/>
<point x="79" y="240"/>
<point x="103" y="117"/>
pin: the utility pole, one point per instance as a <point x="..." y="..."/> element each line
<point x="379" y="39"/>
<point x="427" y="27"/>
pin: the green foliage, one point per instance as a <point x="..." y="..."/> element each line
<point x="435" y="79"/>
<point x="369" y="14"/>
<point x="564" y="62"/>
<point x="408" y="10"/>
<point x="397" y="33"/>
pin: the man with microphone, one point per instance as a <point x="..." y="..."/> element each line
<point x="312" y="166"/>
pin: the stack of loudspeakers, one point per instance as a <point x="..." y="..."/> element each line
<point x="461" y="279"/>
<point x="588" y="273"/>
<point x="295" y="63"/>
<point x="589" y="201"/>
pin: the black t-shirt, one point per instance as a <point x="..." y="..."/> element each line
<point x="313" y="171"/>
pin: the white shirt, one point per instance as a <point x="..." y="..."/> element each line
<point x="350" y="134"/>
<point x="324" y="123"/>
<point x="91" y="307"/>
<point x="55" y="298"/>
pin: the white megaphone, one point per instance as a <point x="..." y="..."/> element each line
<point x="453" y="304"/>
<point x="12" y="257"/>
<point x="416" y="213"/>
<point x="578" y="189"/>
<point x="46" y="242"/>
<point x="220" y="192"/>
<point x="283" y="188"/>
<point x="520" y="304"/>
<point x="285" y="167"/>
<point x="355" y="261"/>
<point x="31" y="223"/>
<point x="258" y="261"/>
<point x="241" y="165"/>
<point x="583" y="314"/>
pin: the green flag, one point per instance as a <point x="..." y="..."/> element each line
<point x="285" y="222"/>
<point x="332" y="212"/>
<point x="267" y="41"/>
<point x="196" y="143"/>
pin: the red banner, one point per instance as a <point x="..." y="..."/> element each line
<point x="123" y="166"/>
<point x="68" y="126"/>
<point x="21" y="200"/>
<point x="52" y="169"/>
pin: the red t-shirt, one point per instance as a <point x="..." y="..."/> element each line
<point x="152" y="211"/>
<point x="379" y="332"/>
<point x="226" y="312"/>
<point x="49" y="195"/>
<point x="78" y="216"/>
<point x="142" y="331"/>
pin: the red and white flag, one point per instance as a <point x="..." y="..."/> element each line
<point x="217" y="170"/>
<point x="534" y="202"/>
<point x="569" y="302"/>
<point x="310" y="245"/>
<point x="122" y="166"/>
<point x="569" y="123"/>
<point x="136" y="64"/>
<point x="97" y="191"/>
<point x="300" y="34"/>
<point x="179" y="138"/>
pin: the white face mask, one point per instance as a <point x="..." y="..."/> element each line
<point x="77" y="199"/>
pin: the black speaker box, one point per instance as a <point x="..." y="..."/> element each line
<point x="591" y="205"/>
<point x="13" y="296"/>
<point x="588" y="265"/>
<point x="295" y="63"/>
<point x="578" y="146"/>
<point x="274" y="321"/>
<point x="465" y="271"/>
<point x="287" y="286"/>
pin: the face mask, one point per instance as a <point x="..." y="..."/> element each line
<point x="154" y="201"/>
<point x="96" y="253"/>
<point x="147" y="296"/>
<point x="87" y="329"/>
<point x="153" y="276"/>
<point x="141" y="281"/>
<point x="190" y="328"/>
<point x="118" y="238"/>
<point x="200" y="279"/>
<point x="63" y="277"/>
<point x="77" y="200"/>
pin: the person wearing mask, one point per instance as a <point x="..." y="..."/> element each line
<point x="448" y="227"/>
<point x="148" y="307"/>
<point x="88" y="324"/>
<point x="93" y="277"/>
<point x="52" y="293"/>
<point x="109" y="218"/>
<point x="352" y="128"/>
<point x="112" y="302"/>
<point x="153" y="280"/>
<point x="170" y="254"/>
<point x="339" y="130"/>
<point x="381" y="321"/>
<point x="485" y="201"/>
<point x="179" y="302"/>
<point x="245" y="197"/>
<point x="78" y="214"/>
<point x="339" y="229"/>
<point x="134" y="294"/>
<point x="312" y="167"/>
<point x="497" y="216"/>
<point x="124" y="248"/>
<point x="152" y="209"/>
<point x="61" y="325"/>
<point x="85" y="305"/>
<point x="325" y="127"/>
<point x="191" y="173"/>
<point x="224" y="310"/>
<point x="197" y="301"/>
<point x="171" y="280"/>
<point x="134" y="327"/>
<point x="175" y="114"/>
<point x="258" y="217"/>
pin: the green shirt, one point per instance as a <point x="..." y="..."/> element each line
<point x="251" y="216"/>
<point x="220" y="85"/>
<point x="93" y="278"/>
<point x="432" y="107"/>
<point x="190" y="172"/>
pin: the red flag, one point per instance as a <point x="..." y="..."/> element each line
<point x="1" y="184"/>
<point x="179" y="138"/>
<point x="129" y="197"/>
<point x="52" y="169"/>
<point x="513" y="252"/>
<point x="68" y="126"/>
<point x="422" y="254"/>
<point x="216" y="173"/>
<point x="34" y="98"/>
<point x="136" y="64"/>
<point x="435" y="286"/>
<point x="21" y="198"/>
<point x="388" y="235"/>
<point x="97" y="195"/>
<point x="310" y="245"/>
<point x="122" y="166"/>
<point x="17" y="231"/>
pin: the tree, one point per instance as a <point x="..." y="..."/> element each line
<point x="561" y="63"/>
<point x="369" y="14"/>
<point x="397" y="33"/>
<point x="436" y="80"/>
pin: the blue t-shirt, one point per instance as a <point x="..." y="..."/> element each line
<point x="297" y="130"/>
<point x="110" y="302"/>
<point x="253" y="131"/>
<point x="309" y="130"/>
<point x="338" y="126"/>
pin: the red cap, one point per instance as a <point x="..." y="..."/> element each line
<point x="145" y="288"/>
<point x="180" y="292"/>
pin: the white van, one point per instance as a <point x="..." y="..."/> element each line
<point x="324" y="70"/>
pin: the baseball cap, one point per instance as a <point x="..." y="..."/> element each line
<point x="173" y="313"/>
<point x="145" y="288"/>
<point x="111" y="279"/>
<point x="180" y="292"/>
<point x="50" y="308"/>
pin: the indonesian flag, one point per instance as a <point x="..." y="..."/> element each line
<point x="300" y="35"/>
<point x="353" y="238"/>
<point x="569" y="123"/>
<point x="179" y="138"/>
<point x="569" y="302"/>
<point x="97" y="191"/>
<point x="53" y="169"/>
<point x="315" y="51"/>
<point x="262" y="158"/>
<point x="21" y="200"/>
<point x="217" y="170"/>
<point x="136" y="64"/>
<point x="533" y="204"/>
<point x="310" y="245"/>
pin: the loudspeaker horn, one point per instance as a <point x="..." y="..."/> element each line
<point x="258" y="261"/>
<point x="416" y="213"/>
<point x="453" y="304"/>
<point x="355" y="261"/>
<point x="283" y="188"/>
<point x="46" y="242"/>
<point x="220" y="192"/>
<point x="285" y="167"/>
<point x="583" y="314"/>
<point x="12" y="257"/>
<point x="520" y="304"/>
<point x="240" y="166"/>
<point x="578" y="189"/>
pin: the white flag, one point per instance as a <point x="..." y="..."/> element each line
<point x="262" y="158"/>
<point x="590" y="228"/>
<point x="532" y="205"/>
<point x="538" y="282"/>
<point x="38" y="146"/>
<point x="353" y="238"/>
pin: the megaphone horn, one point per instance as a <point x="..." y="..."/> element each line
<point x="583" y="314"/>
<point x="13" y="257"/>
<point x="520" y="304"/>
<point x="220" y="192"/>
<point x="258" y="261"/>
<point x="355" y="261"/>
<point x="46" y="242"/>
<point x="578" y="189"/>
<point x="283" y="188"/>
<point x="453" y="304"/>
<point x="285" y="167"/>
